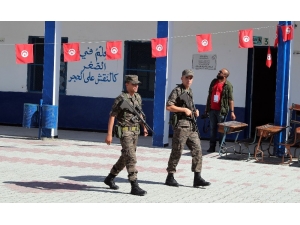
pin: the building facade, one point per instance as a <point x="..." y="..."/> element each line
<point x="86" y="88"/>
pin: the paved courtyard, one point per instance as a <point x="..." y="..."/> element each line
<point x="71" y="169"/>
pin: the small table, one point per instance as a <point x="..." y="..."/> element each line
<point x="229" y="128"/>
<point x="266" y="131"/>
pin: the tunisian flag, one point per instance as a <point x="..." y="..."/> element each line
<point x="287" y="32"/>
<point x="159" y="47"/>
<point x="113" y="50"/>
<point x="246" y="38"/>
<point x="71" y="52"/>
<point x="276" y="38"/>
<point x="269" y="58"/>
<point x="24" y="53"/>
<point x="204" y="42"/>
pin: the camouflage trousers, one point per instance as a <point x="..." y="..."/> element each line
<point x="185" y="135"/>
<point x="128" y="141"/>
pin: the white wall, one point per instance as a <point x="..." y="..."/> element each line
<point x="13" y="77"/>
<point x="225" y="46"/>
<point x="295" y="67"/>
<point x="92" y="37"/>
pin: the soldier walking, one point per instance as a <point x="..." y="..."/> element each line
<point x="127" y="129"/>
<point x="184" y="131"/>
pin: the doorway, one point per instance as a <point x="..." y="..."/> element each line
<point x="261" y="88"/>
<point x="139" y="61"/>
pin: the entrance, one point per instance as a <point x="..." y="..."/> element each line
<point x="261" y="88"/>
<point x="139" y="61"/>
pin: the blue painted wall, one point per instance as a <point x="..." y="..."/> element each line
<point x="83" y="113"/>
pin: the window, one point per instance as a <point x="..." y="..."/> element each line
<point x="36" y="69"/>
<point x="139" y="61"/>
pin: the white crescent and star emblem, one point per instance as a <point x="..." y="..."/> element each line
<point x="72" y="51"/>
<point x="288" y="30"/>
<point x="24" y="54"/>
<point x="159" y="47"/>
<point x="246" y="39"/>
<point x="114" y="50"/>
<point x="269" y="57"/>
<point x="204" y="42"/>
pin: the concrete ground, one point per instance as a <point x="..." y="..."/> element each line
<point x="72" y="167"/>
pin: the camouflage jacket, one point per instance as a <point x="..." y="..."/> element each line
<point x="226" y="96"/>
<point x="173" y="99"/>
<point x="124" y="116"/>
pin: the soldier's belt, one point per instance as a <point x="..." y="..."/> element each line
<point x="130" y="129"/>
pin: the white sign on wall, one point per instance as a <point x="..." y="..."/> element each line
<point x="204" y="61"/>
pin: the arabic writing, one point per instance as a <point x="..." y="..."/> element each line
<point x="87" y="74"/>
<point x="204" y="61"/>
<point x="104" y="77"/>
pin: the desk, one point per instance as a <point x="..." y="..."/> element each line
<point x="229" y="128"/>
<point x="266" y="131"/>
<point x="293" y="119"/>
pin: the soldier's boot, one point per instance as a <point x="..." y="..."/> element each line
<point x="136" y="190"/>
<point x="199" y="181"/>
<point x="170" y="181"/>
<point x="109" y="180"/>
<point x="212" y="147"/>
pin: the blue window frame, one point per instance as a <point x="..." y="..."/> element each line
<point x="35" y="70"/>
<point x="139" y="61"/>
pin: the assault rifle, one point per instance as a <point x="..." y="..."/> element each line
<point x="137" y="111"/>
<point x="188" y="100"/>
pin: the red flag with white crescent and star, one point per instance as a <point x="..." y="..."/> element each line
<point x="159" y="47"/>
<point x="269" y="58"/>
<point x="113" y="50"/>
<point x="24" y="53"/>
<point x="287" y="32"/>
<point x="246" y="38"/>
<point x="204" y="42"/>
<point x="276" y="37"/>
<point x="71" y="52"/>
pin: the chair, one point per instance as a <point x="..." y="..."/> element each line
<point x="291" y="142"/>
<point x="247" y="143"/>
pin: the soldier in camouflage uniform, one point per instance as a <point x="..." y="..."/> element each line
<point x="127" y="130"/>
<point x="184" y="132"/>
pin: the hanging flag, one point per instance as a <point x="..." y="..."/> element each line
<point x="24" y="53"/>
<point x="159" y="47"/>
<point x="71" y="52"/>
<point x="287" y="32"/>
<point x="269" y="58"/>
<point x="246" y="38"/>
<point x="204" y="42"/>
<point x="276" y="38"/>
<point x="113" y="50"/>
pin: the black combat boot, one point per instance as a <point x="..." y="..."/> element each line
<point x="199" y="181"/>
<point x="170" y="181"/>
<point x="109" y="180"/>
<point x="212" y="147"/>
<point x="136" y="190"/>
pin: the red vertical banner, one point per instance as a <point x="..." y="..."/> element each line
<point x="159" y="47"/>
<point x="276" y="37"/>
<point x="113" y="50"/>
<point x="246" y="38"/>
<point x="269" y="58"/>
<point x="204" y="42"/>
<point x="24" y="53"/>
<point x="287" y="32"/>
<point x="71" y="52"/>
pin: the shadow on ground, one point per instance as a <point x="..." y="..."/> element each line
<point x="101" y="179"/>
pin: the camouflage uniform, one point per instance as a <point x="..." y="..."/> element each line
<point x="129" y="139"/>
<point x="183" y="133"/>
